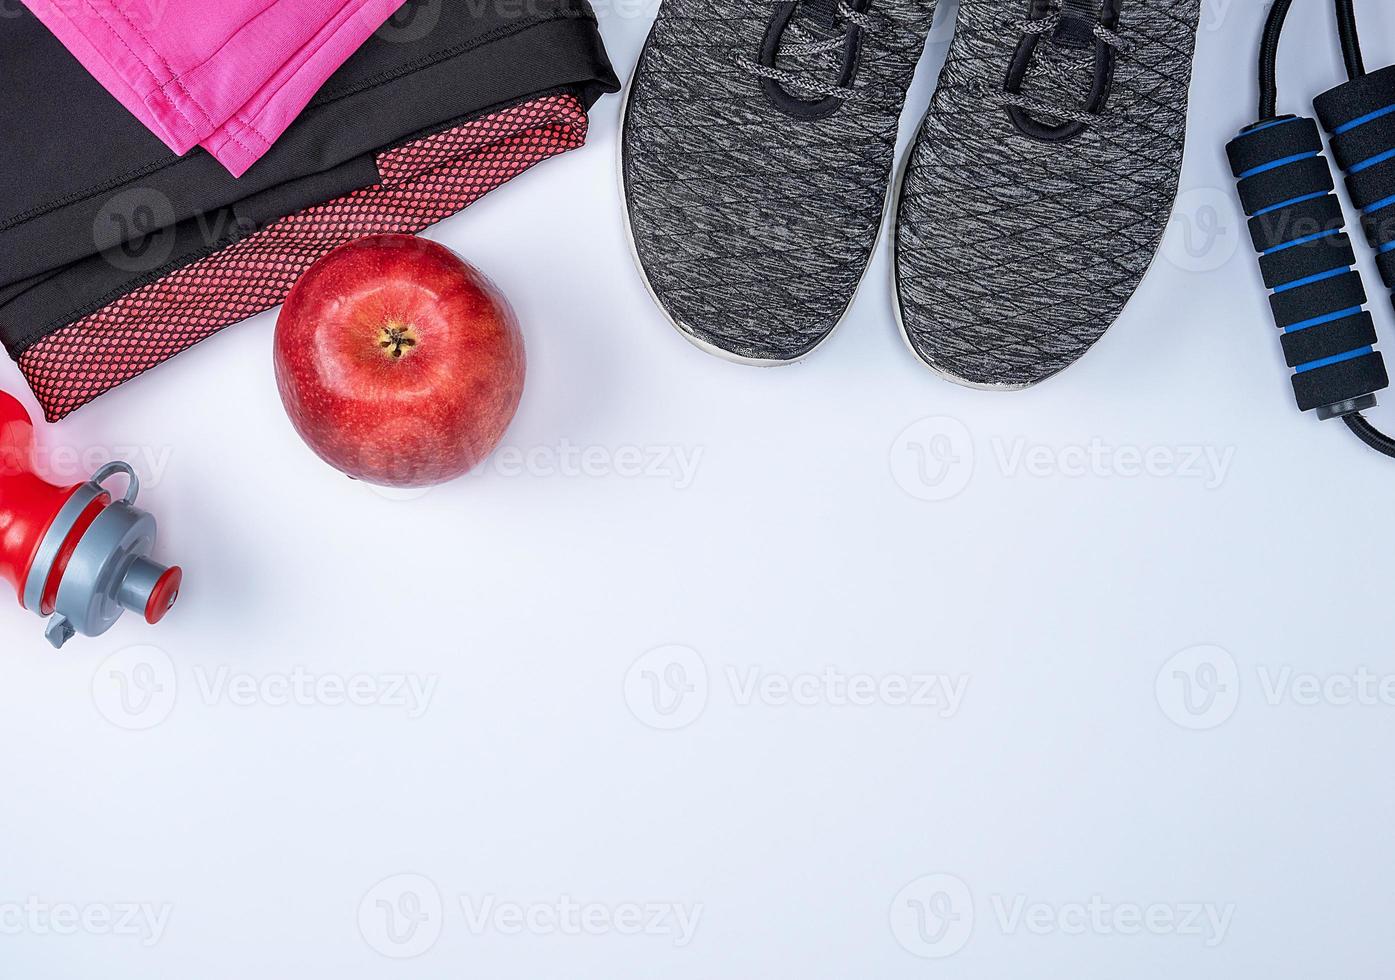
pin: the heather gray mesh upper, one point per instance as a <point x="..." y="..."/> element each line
<point x="1015" y="254"/>
<point x="753" y="228"/>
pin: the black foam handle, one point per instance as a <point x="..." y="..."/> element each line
<point x="1306" y="259"/>
<point x="1360" y="120"/>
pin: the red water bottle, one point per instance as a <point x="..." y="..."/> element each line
<point x="74" y="553"/>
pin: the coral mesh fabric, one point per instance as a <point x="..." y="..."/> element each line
<point x="422" y="183"/>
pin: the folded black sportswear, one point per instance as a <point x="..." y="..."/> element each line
<point x="115" y="255"/>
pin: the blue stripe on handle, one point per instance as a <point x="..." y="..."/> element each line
<point x="1363" y="120"/>
<point x="1265" y="168"/>
<point x="1309" y="280"/>
<point x="1334" y="359"/>
<point x="1370" y="162"/>
<point x="1318" y="321"/>
<point x="1292" y="201"/>
<point x="1384" y="202"/>
<point x="1302" y="241"/>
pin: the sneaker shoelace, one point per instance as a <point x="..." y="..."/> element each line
<point x="1069" y="50"/>
<point x="810" y="51"/>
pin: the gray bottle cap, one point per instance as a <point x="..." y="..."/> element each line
<point x="108" y="572"/>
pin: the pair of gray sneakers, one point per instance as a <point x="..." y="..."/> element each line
<point x="757" y="148"/>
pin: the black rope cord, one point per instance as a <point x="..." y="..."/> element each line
<point x="1269" y="57"/>
<point x="1369" y="434"/>
<point x="1351" y="41"/>
<point x="1269" y="50"/>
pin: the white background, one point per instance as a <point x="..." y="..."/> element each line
<point x="801" y="563"/>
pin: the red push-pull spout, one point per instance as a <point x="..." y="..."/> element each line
<point x="28" y="504"/>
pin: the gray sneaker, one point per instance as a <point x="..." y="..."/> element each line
<point x="756" y="151"/>
<point x="1041" y="181"/>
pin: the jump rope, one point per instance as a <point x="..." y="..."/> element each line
<point x="1298" y="226"/>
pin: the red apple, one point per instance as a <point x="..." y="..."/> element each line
<point x="399" y="363"/>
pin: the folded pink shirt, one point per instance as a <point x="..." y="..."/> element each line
<point x="227" y="75"/>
